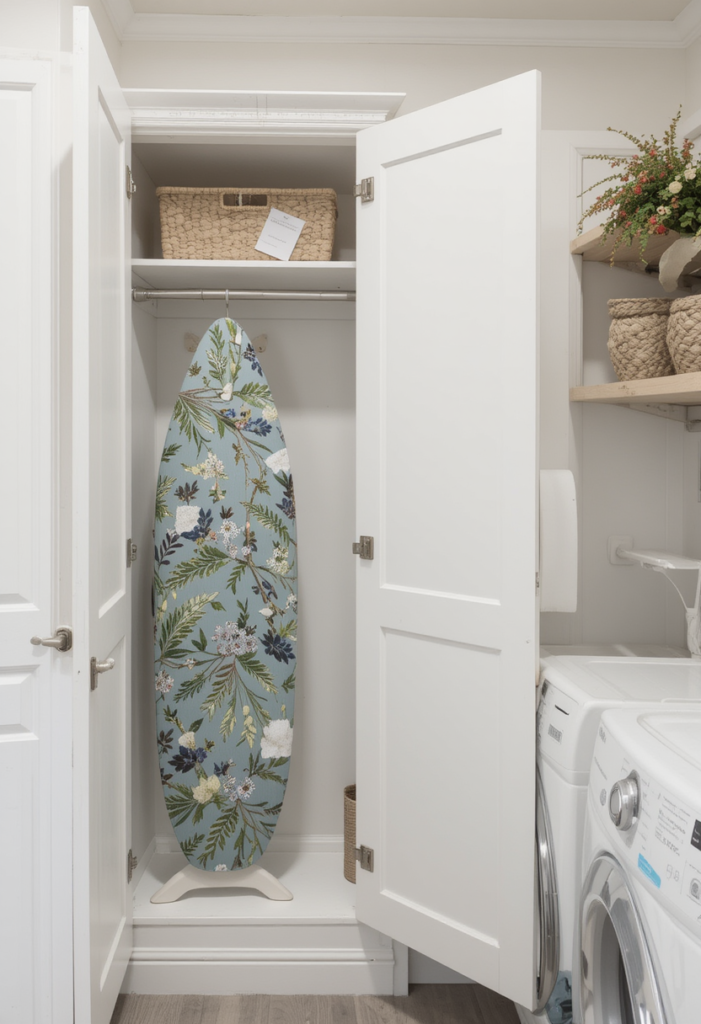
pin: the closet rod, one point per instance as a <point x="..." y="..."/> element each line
<point x="144" y="294"/>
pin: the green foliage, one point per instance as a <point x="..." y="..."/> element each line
<point x="180" y="804"/>
<point x="193" y="420"/>
<point x="222" y="829"/>
<point x="189" y="846"/>
<point x="206" y="561"/>
<point x="259" y="671"/>
<point x="162" y="490"/>
<point x="170" y="451"/>
<point x="255" y="394"/>
<point x="178" y="624"/>
<point x="191" y="687"/>
<point x="268" y="519"/>
<point x="655" y="191"/>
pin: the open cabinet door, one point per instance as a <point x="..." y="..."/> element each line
<point x="101" y="526"/>
<point x="447" y="468"/>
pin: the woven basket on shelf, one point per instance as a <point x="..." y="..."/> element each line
<point x="349" y="833"/>
<point x="637" y="340"/>
<point x="684" y="334"/>
<point x="225" y="223"/>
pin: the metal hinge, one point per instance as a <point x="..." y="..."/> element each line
<point x="132" y="861"/>
<point x="365" y="191"/>
<point x="131" y="185"/>
<point x="365" y="547"/>
<point x="366" y="856"/>
<point x="537" y="582"/>
<point x="131" y="552"/>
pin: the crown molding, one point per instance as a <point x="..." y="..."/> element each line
<point x="677" y="34"/>
<point x="221" y="115"/>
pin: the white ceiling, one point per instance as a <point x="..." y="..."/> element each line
<point x="560" y="10"/>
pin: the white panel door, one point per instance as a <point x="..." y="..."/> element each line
<point x="35" y="798"/>
<point x="447" y="468"/>
<point x="101" y="525"/>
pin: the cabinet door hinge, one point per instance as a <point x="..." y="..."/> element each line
<point x="365" y="191"/>
<point x="131" y="552"/>
<point x="365" y="547"/>
<point x="132" y="861"/>
<point x="131" y="185"/>
<point x="537" y="582"/>
<point x="366" y="856"/>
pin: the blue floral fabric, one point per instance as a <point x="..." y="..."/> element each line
<point x="225" y="594"/>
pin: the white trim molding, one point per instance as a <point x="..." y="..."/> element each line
<point x="676" y="34"/>
<point x="162" y="112"/>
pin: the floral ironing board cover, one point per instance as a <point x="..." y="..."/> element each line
<point x="225" y="594"/>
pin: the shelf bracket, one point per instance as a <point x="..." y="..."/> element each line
<point x="693" y="418"/>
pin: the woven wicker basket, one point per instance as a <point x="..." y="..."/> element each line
<point x="225" y="223"/>
<point x="684" y="334"/>
<point x="349" y="833"/>
<point x="637" y="340"/>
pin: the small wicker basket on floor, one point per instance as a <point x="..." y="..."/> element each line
<point x="225" y="223"/>
<point x="349" y="833"/>
<point x="684" y="334"/>
<point x="637" y="342"/>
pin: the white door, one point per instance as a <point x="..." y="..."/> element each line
<point x="447" y="467"/>
<point x="35" y="692"/>
<point x="101" y="526"/>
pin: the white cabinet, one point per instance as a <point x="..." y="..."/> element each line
<point x="445" y="620"/>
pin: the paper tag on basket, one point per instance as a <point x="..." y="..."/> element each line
<point x="279" y="235"/>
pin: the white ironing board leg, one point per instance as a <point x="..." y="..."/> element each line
<point x="247" y="878"/>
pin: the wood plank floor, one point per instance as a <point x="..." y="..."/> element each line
<point x="425" y="1004"/>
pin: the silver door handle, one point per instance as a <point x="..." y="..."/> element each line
<point x="96" y="667"/>
<point x="62" y="640"/>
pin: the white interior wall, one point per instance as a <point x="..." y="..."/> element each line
<point x="583" y="87"/>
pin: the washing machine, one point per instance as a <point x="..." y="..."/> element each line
<point x="640" y="911"/>
<point x="574" y="692"/>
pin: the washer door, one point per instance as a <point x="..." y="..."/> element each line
<point x="548" y="907"/>
<point x="616" y="975"/>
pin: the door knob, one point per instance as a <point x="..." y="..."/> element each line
<point x="62" y="640"/>
<point x="96" y="667"/>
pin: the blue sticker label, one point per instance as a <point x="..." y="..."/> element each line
<point x="649" y="871"/>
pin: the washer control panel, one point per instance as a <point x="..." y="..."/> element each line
<point x="653" y="831"/>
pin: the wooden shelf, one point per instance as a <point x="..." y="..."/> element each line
<point x="680" y="389"/>
<point x="592" y="246"/>
<point x="300" y="275"/>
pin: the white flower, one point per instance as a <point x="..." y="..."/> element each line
<point x="230" y="639"/>
<point x="675" y="187"/>
<point x="267" y="613"/>
<point x="690" y="173"/>
<point x="229" y="529"/>
<point x="221" y="867"/>
<point x="291" y="602"/>
<point x="244" y="791"/>
<point x="279" y="461"/>
<point x="212" y="466"/>
<point x="245" y="551"/>
<point x="186" y="517"/>
<point x="206" y="789"/>
<point x="663" y="210"/>
<point x="164" y="682"/>
<point x="269" y="413"/>
<point x="226" y="397"/>
<point x="188" y="740"/>
<point x="276" y="740"/>
<point x="279" y="562"/>
<point x="190" y="662"/>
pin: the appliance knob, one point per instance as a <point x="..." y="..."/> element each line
<point x="623" y="802"/>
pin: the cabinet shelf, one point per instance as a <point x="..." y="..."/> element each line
<point x="244" y="274"/>
<point x="679" y="389"/>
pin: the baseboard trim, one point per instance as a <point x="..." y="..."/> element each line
<point x="316" y="972"/>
